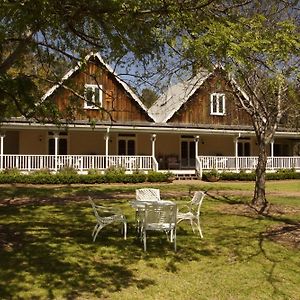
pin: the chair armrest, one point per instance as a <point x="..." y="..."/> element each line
<point x="108" y="209"/>
<point x="183" y="208"/>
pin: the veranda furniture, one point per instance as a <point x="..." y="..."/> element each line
<point x="144" y="195"/>
<point x="106" y="216"/>
<point x="192" y="213"/>
<point x="147" y="194"/>
<point x="159" y="216"/>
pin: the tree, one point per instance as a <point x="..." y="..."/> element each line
<point x="261" y="47"/>
<point x="56" y="32"/>
<point x="148" y="96"/>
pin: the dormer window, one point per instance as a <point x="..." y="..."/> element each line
<point x="93" y="96"/>
<point x="217" y="104"/>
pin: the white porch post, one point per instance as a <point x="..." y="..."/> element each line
<point x="196" y="155"/>
<point x="56" y="137"/>
<point x="2" y="136"/>
<point x="272" y="154"/>
<point x="106" y="137"/>
<point x="236" y="152"/>
<point x="196" y="145"/>
<point x="153" y="140"/>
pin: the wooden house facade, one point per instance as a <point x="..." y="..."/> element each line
<point x="195" y="125"/>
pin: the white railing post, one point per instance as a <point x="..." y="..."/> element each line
<point x="272" y="154"/>
<point x="236" y="152"/>
<point x="2" y="136"/>
<point x="106" y="138"/>
<point x="56" y="136"/>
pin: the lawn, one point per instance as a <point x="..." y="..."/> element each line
<point x="46" y="249"/>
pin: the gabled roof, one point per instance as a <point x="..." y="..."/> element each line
<point x="175" y="96"/>
<point x="70" y="73"/>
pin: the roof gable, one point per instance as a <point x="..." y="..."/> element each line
<point x="98" y="57"/>
<point x="177" y="95"/>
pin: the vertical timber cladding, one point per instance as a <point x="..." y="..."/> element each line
<point x="197" y="109"/>
<point x="117" y="103"/>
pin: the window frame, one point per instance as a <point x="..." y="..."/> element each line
<point x="217" y="104"/>
<point x="93" y="87"/>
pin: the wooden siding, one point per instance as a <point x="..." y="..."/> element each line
<point x="116" y="101"/>
<point x="197" y="109"/>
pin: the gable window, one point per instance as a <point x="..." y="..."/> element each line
<point x="217" y="104"/>
<point x="93" y="96"/>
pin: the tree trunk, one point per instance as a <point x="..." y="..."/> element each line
<point x="259" y="199"/>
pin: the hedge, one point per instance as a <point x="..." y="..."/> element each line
<point x="244" y="176"/>
<point x="72" y="178"/>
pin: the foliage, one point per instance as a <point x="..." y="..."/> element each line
<point x="67" y="176"/>
<point x="212" y="175"/>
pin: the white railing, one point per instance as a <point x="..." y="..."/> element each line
<point x="78" y="162"/>
<point x="232" y="163"/>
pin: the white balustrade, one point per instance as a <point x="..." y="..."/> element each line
<point x="78" y="162"/>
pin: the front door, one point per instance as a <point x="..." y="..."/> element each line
<point x="243" y="148"/>
<point x="126" y="145"/>
<point x="188" y="153"/>
<point x="62" y="144"/>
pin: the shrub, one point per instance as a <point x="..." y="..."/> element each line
<point x="159" y="177"/>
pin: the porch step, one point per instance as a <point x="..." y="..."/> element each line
<point x="186" y="177"/>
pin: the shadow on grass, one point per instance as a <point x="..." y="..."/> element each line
<point x="46" y="249"/>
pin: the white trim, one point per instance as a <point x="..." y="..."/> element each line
<point x="215" y="103"/>
<point x="97" y="102"/>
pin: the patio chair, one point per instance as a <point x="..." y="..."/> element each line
<point x="145" y="195"/>
<point x="148" y="194"/>
<point x="192" y="214"/>
<point x="159" y="217"/>
<point x="106" y="216"/>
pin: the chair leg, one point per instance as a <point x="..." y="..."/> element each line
<point x="145" y="243"/>
<point x="99" y="228"/>
<point x="199" y="228"/>
<point x="174" y="239"/>
<point x="125" y="230"/>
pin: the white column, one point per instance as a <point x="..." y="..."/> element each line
<point x="272" y="154"/>
<point x="236" y="152"/>
<point x="153" y="139"/>
<point x="2" y="136"/>
<point x="196" y="145"/>
<point x="106" y="138"/>
<point x="56" y="137"/>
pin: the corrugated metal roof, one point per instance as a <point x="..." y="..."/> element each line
<point x="171" y="101"/>
<point x="110" y="70"/>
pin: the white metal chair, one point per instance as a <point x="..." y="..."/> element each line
<point x="148" y="194"/>
<point x="105" y="216"/>
<point x="193" y="212"/>
<point x="159" y="217"/>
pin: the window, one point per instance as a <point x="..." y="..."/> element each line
<point x="217" y="104"/>
<point x="93" y="96"/>
<point x="126" y="144"/>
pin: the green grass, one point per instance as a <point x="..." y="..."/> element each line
<point x="46" y="250"/>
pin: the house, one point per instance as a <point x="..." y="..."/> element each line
<point x="195" y="125"/>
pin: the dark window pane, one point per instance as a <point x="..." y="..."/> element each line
<point x="131" y="147"/>
<point x="247" y="149"/>
<point x="122" y="147"/>
<point x="51" y="147"/>
<point x="184" y="149"/>
<point x="63" y="148"/>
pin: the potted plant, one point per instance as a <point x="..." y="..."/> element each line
<point x="212" y="176"/>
